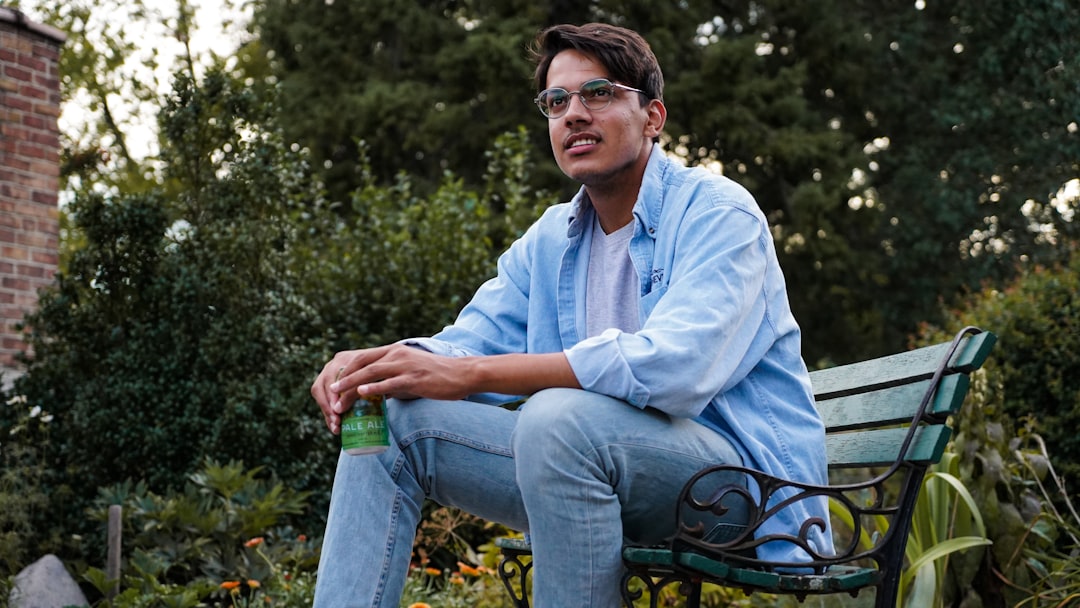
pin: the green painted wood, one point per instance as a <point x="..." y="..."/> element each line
<point x="699" y="563"/>
<point x="647" y="556"/>
<point x="837" y="578"/>
<point x="882" y="446"/>
<point x="892" y="405"/>
<point x="760" y="579"/>
<point x="901" y="367"/>
<point x="513" y="544"/>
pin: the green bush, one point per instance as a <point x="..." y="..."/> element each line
<point x="1028" y="390"/>
<point x="175" y="331"/>
<point x="225" y="536"/>
<point x="22" y="467"/>
<point x="1037" y="320"/>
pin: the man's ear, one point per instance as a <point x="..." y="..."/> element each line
<point x="657" y="117"/>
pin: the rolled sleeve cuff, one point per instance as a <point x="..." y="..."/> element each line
<point x="601" y="368"/>
<point x="435" y="347"/>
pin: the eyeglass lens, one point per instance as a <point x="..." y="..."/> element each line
<point x="595" y="94"/>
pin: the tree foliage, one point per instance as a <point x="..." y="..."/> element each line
<point x="979" y="102"/>
<point x="903" y="153"/>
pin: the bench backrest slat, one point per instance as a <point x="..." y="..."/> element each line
<point x="892" y="405"/>
<point x="900" y="368"/>
<point x="880" y="447"/>
<point x="868" y="406"/>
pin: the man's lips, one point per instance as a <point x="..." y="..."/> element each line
<point x="580" y="141"/>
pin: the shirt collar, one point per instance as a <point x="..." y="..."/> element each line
<point x="650" y="198"/>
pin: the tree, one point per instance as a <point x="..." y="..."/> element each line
<point x="978" y="102"/>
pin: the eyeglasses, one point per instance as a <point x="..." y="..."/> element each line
<point x="595" y="95"/>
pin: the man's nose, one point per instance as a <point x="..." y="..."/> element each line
<point x="578" y="110"/>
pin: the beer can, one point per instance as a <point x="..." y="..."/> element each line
<point x="363" y="428"/>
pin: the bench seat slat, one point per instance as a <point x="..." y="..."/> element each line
<point x="891" y="405"/>
<point x="837" y="578"/>
<point x="880" y="447"/>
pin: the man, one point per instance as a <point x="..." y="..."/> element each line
<point x="647" y="322"/>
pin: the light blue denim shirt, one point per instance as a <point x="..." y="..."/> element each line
<point x="718" y="342"/>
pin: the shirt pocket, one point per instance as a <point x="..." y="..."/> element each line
<point x="648" y="301"/>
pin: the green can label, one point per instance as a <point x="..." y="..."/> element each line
<point x="363" y="430"/>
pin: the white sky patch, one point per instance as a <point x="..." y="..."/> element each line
<point x="218" y="29"/>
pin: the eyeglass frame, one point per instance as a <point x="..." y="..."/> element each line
<point x="570" y="95"/>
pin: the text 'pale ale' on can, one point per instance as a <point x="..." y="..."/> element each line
<point x="363" y="428"/>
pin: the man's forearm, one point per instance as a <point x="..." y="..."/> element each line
<point x="519" y="374"/>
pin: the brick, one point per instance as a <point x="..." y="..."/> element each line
<point x="19" y="104"/>
<point x="35" y="64"/>
<point x="17" y="73"/>
<point x="33" y="91"/>
<point x="49" y="258"/>
<point x="16" y="283"/>
<point x="29" y="177"/>
<point x="47" y="109"/>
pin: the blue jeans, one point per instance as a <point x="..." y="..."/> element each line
<point x="579" y="471"/>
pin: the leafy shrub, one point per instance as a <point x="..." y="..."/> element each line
<point x="1029" y="389"/>
<point x="175" y="332"/>
<point x="226" y="534"/>
<point x="22" y="467"/>
<point x="1037" y="320"/>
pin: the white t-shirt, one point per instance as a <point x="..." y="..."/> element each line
<point x="611" y="298"/>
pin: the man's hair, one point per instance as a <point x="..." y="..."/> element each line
<point x="625" y="54"/>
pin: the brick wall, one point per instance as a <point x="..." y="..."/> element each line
<point x="29" y="171"/>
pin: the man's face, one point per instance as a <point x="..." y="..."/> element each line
<point x="595" y="147"/>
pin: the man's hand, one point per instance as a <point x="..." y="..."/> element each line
<point x="405" y="372"/>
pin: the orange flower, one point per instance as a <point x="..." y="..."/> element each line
<point x="456" y="579"/>
<point x="467" y="569"/>
<point x="255" y="542"/>
<point x="302" y="538"/>
<point x="419" y="605"/>
<point x="433" y="571"/>
<point x="254" y="584"/>
<point x="231" y="586"/>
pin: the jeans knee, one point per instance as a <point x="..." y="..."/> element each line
<point x="559" y="424"/>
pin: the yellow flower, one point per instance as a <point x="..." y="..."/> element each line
<point x="255" y="542"/>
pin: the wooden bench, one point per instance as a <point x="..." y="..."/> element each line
<point x="886" y="422"/>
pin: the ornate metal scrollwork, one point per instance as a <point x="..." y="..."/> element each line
<point x="688" y="588"/>
<point x="512" y="569"/>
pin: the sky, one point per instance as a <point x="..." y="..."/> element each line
<point x="153" y="41"/>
